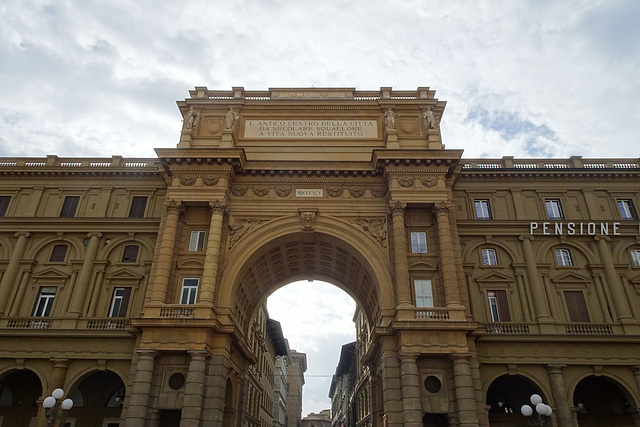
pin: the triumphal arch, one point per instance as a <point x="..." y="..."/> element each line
<point x="318" y="184"/>
<point x="138" y="285"/>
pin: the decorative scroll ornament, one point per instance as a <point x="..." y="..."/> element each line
<point x="379" y="192"/>
<point x="356" y="191"/>
<point x="238" y="191"/>
<point x="187" y="180"/>
<point x="241" y="227"/>
<point x="335" y="191"/>
<point x="429" y="181"/>
<point x="308" y="219"/>
<point x="443" y="207"/>
<point x="283" y="191"/>
<point x="260" y="191"/>
<point x="210" y="180"/>
<point x="406" y="182"/>
<point x="377" y="228"/>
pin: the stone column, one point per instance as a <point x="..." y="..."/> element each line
<point x="391" y="389"/>
<point x="11" y="272"/>
<point x="141" y="389"/>
<point x="552" y="300"/>
<point x="76" y="307"/>
<point x="613" y="280"/>
<point x="562" y="409"/>
<point x="635" y="310"/>
<point x="165" y="255"/>
<point x="95" y="298"/>
<point x="602" y="297"/>
<point x="540" y="302"/>
<point x="194" y="389"/>
<point x="70" y="286"/>
<point x="212" y="256"/>
<point x="476" y="305"/>
<point x="401" y="263"/>
<point x="465" y="399"/>
<point x="17" y="304"/>
<point x="410" y="380"/>
<point x="526" y="313"/>
<point x="215" y="390"/>
<point x="58" y="377"/>
<point x="447" y="255"/>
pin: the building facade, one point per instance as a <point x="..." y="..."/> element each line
<point x="135" y="284"/>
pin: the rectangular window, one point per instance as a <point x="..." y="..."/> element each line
<point x="499" y="306"/>
<point x="489" y="257"/>
<point x="576" y="306"/>
<point x="483" y="209"/>
<point x="563" y="257"/>
<point x="627" y="210"/>
<point x="635" y="257"/>
<point x="4" y="205"/>
<point x="69" y="206"/>
<point x="130" y="253"/>
<point x="554" y="210"/>
<point x="138" y="206"/>
<point x="419" y="242"/>
<point x="196" y="243"/>
<point x="424" y="293"/>
<point x="44" y="301"/>
<point x="59" y="253"/>
<point x="119" y="302"/>
<point x="189" y="291"/>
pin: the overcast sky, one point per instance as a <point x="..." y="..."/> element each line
<point x="526" y="78"/>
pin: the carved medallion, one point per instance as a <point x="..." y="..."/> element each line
<point x="260" y="191"/>
<point x="429" y="181"/>
<point x="187" y="180"/>
<point x="356" y="191"/>
<point x="238" y="191"/>
<point x="379" y="191"/>
<point x="406" y="182"/>
<point x="210" y="180"/>
<point x="283" y="191"/>
<point x="335" y="191"/>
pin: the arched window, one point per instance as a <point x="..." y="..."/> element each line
<point x="489" y="257"/>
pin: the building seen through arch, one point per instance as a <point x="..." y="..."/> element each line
<point x="139" y="285"/>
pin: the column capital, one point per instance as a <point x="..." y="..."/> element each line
<point x="405" y="355"/>
<point x="602" y="238"/>
<point x="148" y="353"/>
<point x="397" y="207"/>
<point x="173" y="205"/>
<point x="199" y="354"/>
<point x="443" y="207"/>
<point x="524" y="237"/>
<point x="94" y="233"/>
<point x="218" y="206"/>
<point x="555" y="368"/>
<point x="22" y="233"/>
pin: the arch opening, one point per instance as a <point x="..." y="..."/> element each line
<point x="601" y="401"/>
<point x="294" y="257"/>
<point x="506" y="395"/>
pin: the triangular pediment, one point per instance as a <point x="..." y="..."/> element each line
<point x="570" y="277"/>
<point x="494" y="276"/>
<point x="123" y="274"/>
<point x="50" y="273"/>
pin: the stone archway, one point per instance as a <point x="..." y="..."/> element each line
<point x="602" y="401"/>
<point x="20" y="391"/>
<point x="280" y="253"/>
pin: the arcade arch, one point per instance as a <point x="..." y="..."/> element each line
<point x="279" y="253"/>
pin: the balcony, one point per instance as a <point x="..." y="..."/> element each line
<point x="582" y="329"/>
<point x="45" y="323"/>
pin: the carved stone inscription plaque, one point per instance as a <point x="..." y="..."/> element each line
<point x="311" y="129"/>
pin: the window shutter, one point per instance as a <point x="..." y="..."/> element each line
<point x="576" y="306"/>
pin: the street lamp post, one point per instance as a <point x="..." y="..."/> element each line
<point x="542" y="409"/>
<point x="51" y="405"/>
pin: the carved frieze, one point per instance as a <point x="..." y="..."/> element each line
<point x="429" y="181"/>
<point x="335" y="191"/>
<point x="283" y="191"/>
<point x="406" y="181"/>
<point x="379" y="191"/>
<point x="238" y="191"/>
<point x="260" y="191"/>
<point x="210" y="180"/>
<point x="356" y="191"/>
<point x="187" y="180"/>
